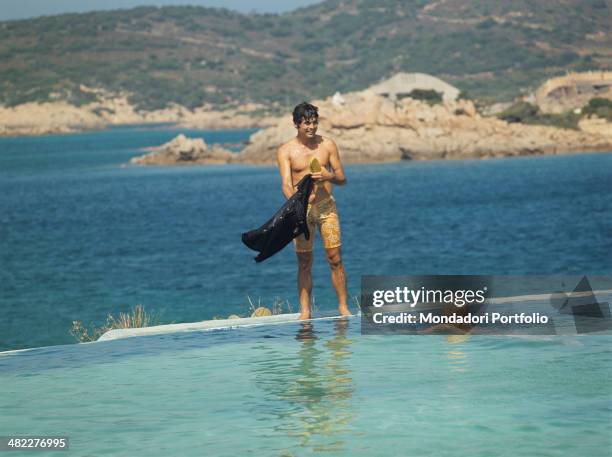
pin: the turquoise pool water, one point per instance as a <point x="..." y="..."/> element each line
<point x="298" y="389"/>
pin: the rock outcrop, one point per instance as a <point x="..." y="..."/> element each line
<point x="596" y="126"/>
<point x="43" y="118"/>
<point x="372" y="128"/>
<point x="115" y="109"/>
<point x="244" y="117"/>
<point x="184" y="151"/>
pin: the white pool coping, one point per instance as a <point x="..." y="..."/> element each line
<point x="288" y="318"/>
<point x="216" y="324"/>
<point x="219" y="324"/>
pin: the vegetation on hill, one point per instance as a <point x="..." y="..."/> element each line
<point x="526" y="113"/>
<point x="192" y="55"/>
<point x="600" y="107"/>
<point x="431" y="97"/>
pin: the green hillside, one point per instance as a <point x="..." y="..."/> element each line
<point x="191" y="55"/>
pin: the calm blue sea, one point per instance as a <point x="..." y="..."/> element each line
<point x="81" y="236"/>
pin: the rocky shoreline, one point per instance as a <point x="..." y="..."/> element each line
<point x="115" y="109"/>
<point x="378" y="124"/>
<point x="370" y="128"/>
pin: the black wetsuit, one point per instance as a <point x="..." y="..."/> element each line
<point x="288" y="222"/>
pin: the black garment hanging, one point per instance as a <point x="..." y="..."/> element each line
<point x="288" y="223"/>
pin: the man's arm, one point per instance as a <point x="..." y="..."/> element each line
<point x="284" y="166"/>
<point x="334" y="160"/>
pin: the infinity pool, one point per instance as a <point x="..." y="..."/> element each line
<point x="320" y="388"/>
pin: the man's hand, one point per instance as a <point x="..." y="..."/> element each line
<point x="323" y="175"/>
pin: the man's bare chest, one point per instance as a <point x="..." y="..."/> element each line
<point x="300" y="160"/>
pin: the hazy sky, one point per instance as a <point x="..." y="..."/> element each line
<point x="21" y="9"/>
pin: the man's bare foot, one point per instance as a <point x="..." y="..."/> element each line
<point x="344" y="311"/>
<point x="304" y="315"/>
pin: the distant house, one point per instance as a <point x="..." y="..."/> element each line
<point x="401" y="84"/>
<point x="573" y="90"/>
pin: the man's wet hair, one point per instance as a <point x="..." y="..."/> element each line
<point x="304" y="111"/>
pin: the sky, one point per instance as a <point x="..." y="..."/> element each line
<point x="22" y="9"/>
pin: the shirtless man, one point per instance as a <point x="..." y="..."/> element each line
<point x="294" y="163"/>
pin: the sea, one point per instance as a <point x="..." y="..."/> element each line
<point x="84" y="234"/>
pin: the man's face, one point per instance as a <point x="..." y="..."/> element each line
<point x="308" y="127"/>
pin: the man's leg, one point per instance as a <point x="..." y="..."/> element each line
<point x="304" y="281"/>
<point x="338" y="278"/>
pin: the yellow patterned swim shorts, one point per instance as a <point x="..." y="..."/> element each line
<point x="324" y="215"/>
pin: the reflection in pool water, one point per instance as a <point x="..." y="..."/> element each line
<point x="316" y="391"/>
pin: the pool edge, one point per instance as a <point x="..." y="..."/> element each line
<point x="208" y="325"/>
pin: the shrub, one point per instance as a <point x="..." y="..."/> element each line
<point x="600" y="107"/>
<point x="526" y="113"/>
<point x="430" y="96"/>
<point x="519" y="112"/>
<point x="136" y="318"/>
